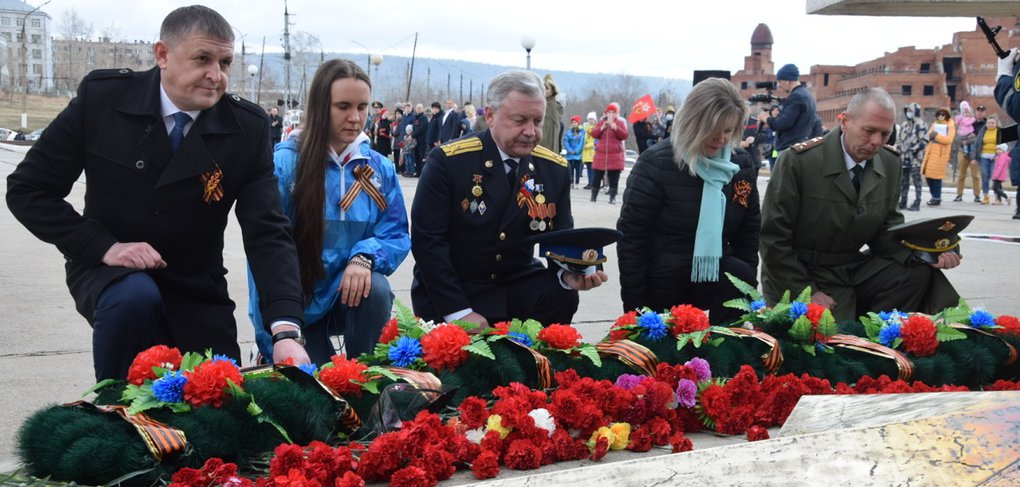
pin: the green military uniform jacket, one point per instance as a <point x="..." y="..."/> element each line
<point x="814" y="225"/>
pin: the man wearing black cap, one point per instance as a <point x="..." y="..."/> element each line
<point x="1007" y="94"/>
<point x="796" y="121"/>
<point x="831" y="196"/>
<point x="478" y="201"/>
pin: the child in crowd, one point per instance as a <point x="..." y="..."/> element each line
<point x="1000" y="173"/>
<point x="407" y="151"/>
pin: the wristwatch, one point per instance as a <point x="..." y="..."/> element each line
<point x="290" y="334"/>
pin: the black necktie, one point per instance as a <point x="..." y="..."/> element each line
<point x="181" y="119"/>
<point x="511" y="175"/>
<point x="858" y="172"/>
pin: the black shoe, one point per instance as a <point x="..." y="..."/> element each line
<point x="612" y="200"/>
<point x="1016" y="216"/>
<point x="959" y="197"/>
<point x="977" y="199"/>
<point x="587" y="187"/>
<point x="593" y="198"/>
<point x="934" y="202"/>
<point x="916" y="206"/>
<point x="903" y="205"/>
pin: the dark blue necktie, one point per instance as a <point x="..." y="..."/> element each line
<point x="511" y="175"/>
<point x="858" y="173"/>
<point x="181" y="119"/>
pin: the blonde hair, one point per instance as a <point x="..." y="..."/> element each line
<point x="712" y="106"/>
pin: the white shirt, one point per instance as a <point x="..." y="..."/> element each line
<point x="167" y="109"/>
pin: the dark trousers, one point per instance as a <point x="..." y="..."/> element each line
<point x="709" y="296"/>
<point x="897" y="286"/>
<point x="540" y="297"/>
<point x="614" y="180"/>
<point x="935" y="185"/>
<point x="129" y="318"/>
<point x="911" y="174"/>
<point x="575" y="171"/>
<point x="360" y="326"/>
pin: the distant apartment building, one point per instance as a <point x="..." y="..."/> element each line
<point x="933" y="78"/>
<point x="25" y="41"/>
<point x="74" y="58"/>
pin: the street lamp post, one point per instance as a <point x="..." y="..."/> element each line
<point x="253" y="70"/>
<point x="528" y="43"/>
<point x="24" y="65"/>
<point x="377" y="59"/>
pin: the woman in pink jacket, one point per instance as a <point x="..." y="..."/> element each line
<point x="610" y="134"/>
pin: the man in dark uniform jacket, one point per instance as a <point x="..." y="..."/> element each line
<point x="479" y="198"/>
<point x="165" y="156"/>
<point x="1007" y="94"/>
<point x="816" y="218"/>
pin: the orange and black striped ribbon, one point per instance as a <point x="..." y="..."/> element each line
<point x="631" y="353"/>
<point x="542" y="366"/>
<point x="363" y="182"/>
<point x="773" y="359"/>
<point x="161" y="440"/>
<point x="212" y="182"/>
<point x="1012" y="350"/>
<point x="904" y="366"/>
<point x="418" y="379"/>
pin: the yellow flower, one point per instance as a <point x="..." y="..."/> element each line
<point x="495" y="423"/>
<point x="621" y="436"/>
<point x="599" y="433"/>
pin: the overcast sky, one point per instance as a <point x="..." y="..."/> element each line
<point x="660" y="38"/>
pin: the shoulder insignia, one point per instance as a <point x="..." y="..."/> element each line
<point x="892" y="148"/>
<point x="807" y="144"/>
<point x="244" y="103"/>
<point x="1016" y="82"/>
<point x="462" y="146"/>
<point x="545" y="153"/>
<point x="109" y="73"/>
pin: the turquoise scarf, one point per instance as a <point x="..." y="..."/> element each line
<point x="716" y="172"/>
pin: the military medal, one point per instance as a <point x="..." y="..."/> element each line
<point x="488" y="164"/>
<point x="481" y="208"/>
<point x="477" y="190"/>
<point x="531" y="167"/>
<point x="533" y="225"/>
<point x="474" y="206"/>
<point x="465" y="205"/>
<point x="539" y="197"/>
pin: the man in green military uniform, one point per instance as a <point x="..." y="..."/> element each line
<point x="831" y="196"/>
<point x="478" y="201"/>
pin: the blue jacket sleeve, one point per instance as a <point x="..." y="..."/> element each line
<point x="391" y="240"/>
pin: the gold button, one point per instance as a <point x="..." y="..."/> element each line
<point x="502" y="235"/>
<point x="499" y="257"/>
<point x="493" y="277"/>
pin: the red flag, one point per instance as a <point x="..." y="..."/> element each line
<point x="641" y="109"/>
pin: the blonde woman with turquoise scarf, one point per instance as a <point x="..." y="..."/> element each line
<point x="690" y="212"/>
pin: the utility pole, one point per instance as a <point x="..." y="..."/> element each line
<point x="286" y="54"/>
<point x="262" y="64"/>
<point x="410" y="72"/>
<point x="462" y="87"/>
<point x="449" y="93"/>
<point x="24" y="66"/>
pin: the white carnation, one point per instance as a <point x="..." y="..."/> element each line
<point x="543" y="420"/>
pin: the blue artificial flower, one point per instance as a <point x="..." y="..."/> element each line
<point x="686" y="393"/>
<point x="308" y="368"/>
<point x="405" y="351"/>
<point x="981" y="319"/>
<point x="757" y="304"/>
<point x="219" y="357"/>
<point x="521" y="338"/>
<point x="170" y="387"/>
<point x="702" y="369"/>
<point x="797" y="309"/>
<point x="652" y="326"/>
<point x="888" y="334"/>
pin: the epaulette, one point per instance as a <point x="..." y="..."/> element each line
<point x="544" y="153"/>
<point x="109" y="73"/>
<point x="462" y="146"/>
<point x="891" y="148"/>
<point x="244" y="103"/>
<point x="807" y="144"/>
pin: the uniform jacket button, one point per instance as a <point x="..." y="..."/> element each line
<point x="502" y="235"/>
<point x="139" y="164"/>
<point x="493" y="277"/>
<point x="499" y="257"/>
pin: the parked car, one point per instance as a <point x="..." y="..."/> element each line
<point x="35" y="134"/>
<point x="7" y="134"/>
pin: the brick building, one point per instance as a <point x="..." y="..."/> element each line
<point x="74" y="58"/>
<point x="944" y="76"/>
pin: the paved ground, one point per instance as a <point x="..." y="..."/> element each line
<point x="45" y="354"/>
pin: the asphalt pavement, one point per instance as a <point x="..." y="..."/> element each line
<point x="45" y="352"/>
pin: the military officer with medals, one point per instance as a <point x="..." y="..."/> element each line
<point x="479" y="198"/>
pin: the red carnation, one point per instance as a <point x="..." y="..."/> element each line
<point x="189" y="477"/>
<point x="473" y="412"/>
<point x="687" y="319"/>
<point x="601" y="448"/>
<point x="1009" y="324"/>
<point x="207" y="384"/>
<point x="562" y="337"/>
<point x="523" y="455"/>
<point x="344" y="377"/>
<point x="681" y="443"/>
<point x="919" y="336"/>
<point x="389" y="332"/>
<point x="815" y="312"/>
<point x="286" y="457"/>
<point x="501" y="328"/>
<point x="486" y="466"/>
<point x="639" y="440"/>
<point x="410" y="477"/>
<point x="157" y="356"/>
<point x="628" y="319"/>
<point x="350" y="479"/>
<point x="756" y="433"/>
<point x="443" y="347"/>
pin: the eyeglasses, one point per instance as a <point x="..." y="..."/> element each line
<point x="981" y="107"/>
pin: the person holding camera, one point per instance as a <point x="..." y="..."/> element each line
<point x="611" y="132"/>
<point x="795" y="121"/>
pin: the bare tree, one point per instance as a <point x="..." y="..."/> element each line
<point x="110" y="31"/>
<point x="74" y="26"/>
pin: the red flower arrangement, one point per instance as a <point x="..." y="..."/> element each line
<point x="158" y="356"/>
<point x="389" y="332"/>
<point x="563" y="337"/>
<point x="344" y="376"/>
<point x="757" y="433"/>
<point x="920" y="337"/>
<point x="1008" y="324"/>
<point x="815" y="313"/>
<point x="486" y="466"/>
<point x="209" y="381"/>
<point x="627" y="319"/>
<point x="501" y="328"/>
<point x="213" y="472"/>
<point x="443" y="347"/>
<point x="686" y="319"/>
